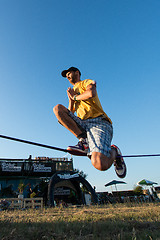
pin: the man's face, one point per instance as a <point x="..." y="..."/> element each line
<point x="72" y="76"/>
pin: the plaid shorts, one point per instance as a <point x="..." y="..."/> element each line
<point x="99" y="133"/>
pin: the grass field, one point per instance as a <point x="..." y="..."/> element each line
<point x="119" y="221"/>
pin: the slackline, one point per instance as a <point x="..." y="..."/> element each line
<point x="34" y="143"/>
<point x="69" y="151"/>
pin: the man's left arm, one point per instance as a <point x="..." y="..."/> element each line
<point x="89" y="93"/>
<point x="70" y="93"/>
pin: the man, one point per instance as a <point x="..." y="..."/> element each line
<point x="91" y="126"/>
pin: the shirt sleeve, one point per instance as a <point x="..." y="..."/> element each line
<point x="88" y="82"/>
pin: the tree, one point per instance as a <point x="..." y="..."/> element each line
<point x="138" y="190"/>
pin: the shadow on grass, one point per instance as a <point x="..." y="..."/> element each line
<point x="110" y="230"/>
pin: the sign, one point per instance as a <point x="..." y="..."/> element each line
<point x="41" y="168"/>
<point x="61" y="191"/>
<point x="67" y="176"/>
<point x="10" y="167"/>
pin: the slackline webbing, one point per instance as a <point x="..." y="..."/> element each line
<point x="71" y="152"/>
<point x="34" y="143"/>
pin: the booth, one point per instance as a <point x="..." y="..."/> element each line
<point x="54" y="179"/>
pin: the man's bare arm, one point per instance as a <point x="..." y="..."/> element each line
<point x="89" y="93"/>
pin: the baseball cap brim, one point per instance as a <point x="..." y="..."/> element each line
<point x="74" y="69"/>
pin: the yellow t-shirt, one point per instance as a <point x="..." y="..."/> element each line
<point x="90" y="108"/>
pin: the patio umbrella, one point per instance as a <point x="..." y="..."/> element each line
<point x="114" y="182"/>
<point x="146" y="182"/>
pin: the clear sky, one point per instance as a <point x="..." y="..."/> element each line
<point x="114" y="42"/>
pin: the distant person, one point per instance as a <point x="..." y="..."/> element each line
<point x="91" y="126"/>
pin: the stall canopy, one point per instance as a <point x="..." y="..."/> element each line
<point x="114" y="182"/>
<point x="146" y="182"/>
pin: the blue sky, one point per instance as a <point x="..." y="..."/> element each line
<point x="115" y="43"/>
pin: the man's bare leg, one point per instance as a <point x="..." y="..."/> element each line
<point x="63" y="117"/>
<point x="99" y="160"/>
<point x="102" y="162"/>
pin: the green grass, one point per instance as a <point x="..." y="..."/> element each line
<point x="119" y="221"/>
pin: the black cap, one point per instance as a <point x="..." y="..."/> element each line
<point x="74" y="69"/>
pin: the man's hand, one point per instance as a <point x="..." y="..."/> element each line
<point x="70" y="93"/>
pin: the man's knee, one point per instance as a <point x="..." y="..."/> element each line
<point x="58" y="109"/>
<point x="100" y="161"/>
